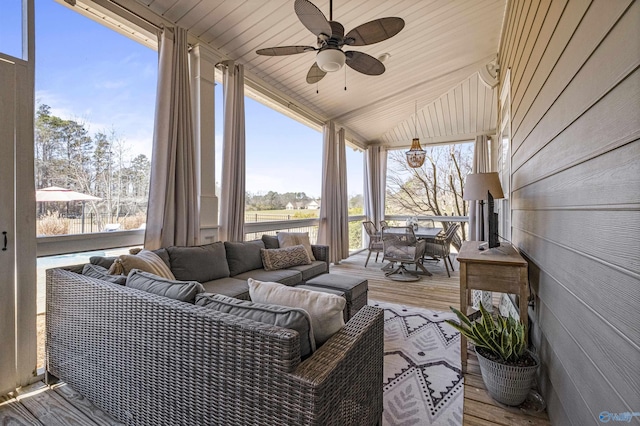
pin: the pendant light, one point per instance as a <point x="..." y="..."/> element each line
<point x="416" y="155"/>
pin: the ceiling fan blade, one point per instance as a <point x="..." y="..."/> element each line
<point x="312" y="18"/>
<point x="315" y="74"/>
<point x="374" y="31"/>
<point x="284" y="50"/>
<point x="361" y="62"/>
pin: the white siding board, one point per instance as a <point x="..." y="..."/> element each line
<point x="520" y="83"/>
<point x="522" y="64"/>
<point x="585" y="231"/>
<point x="605" y="181"/>
<point x="566" y="27"/>
<point x="612" y="122"/>
<point x="581" y="387"/>
<point x="576" y="166"/>
<point x="577" y="61"/>
<point x="612" y="292"/>
<point x="526" y="33"/>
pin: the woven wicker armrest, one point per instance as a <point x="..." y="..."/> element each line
<point x="321" y="252"/>
<point x="342" y="380"/>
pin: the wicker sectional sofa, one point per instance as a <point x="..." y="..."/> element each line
<point x="147" y="359"/>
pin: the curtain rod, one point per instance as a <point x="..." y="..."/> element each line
<point x="142" y="18"/>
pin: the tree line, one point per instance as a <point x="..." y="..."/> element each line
<point x="68" y="156"/>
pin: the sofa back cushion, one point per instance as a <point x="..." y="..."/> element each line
<point x="281" y="316"/>
<point x="99" y="272"/>
<point x="199" y="263"/>
<point x="243" y="256"/>
<point x="324" y="309"/>
<point x="270" y="241"/>
<point x="184" y="291"/>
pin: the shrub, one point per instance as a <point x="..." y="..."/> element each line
<point x="51" y="224"/>
<point x="132" y="222"/>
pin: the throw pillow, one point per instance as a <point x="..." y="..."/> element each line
<point x="281" y="258"/>
<point x="288" y="239"/>
<point x="199" y="263"/>
<point x="270" y="241"/>
<point x="184" y="291"/>
<point x="282" y="316"/>
<point x="243" y="256"/>
<point x="324" y="309"/>
<point x="101" y="273"/>
<point x="146" y="260"/>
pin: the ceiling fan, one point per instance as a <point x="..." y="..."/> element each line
<point x="331" y="38"/>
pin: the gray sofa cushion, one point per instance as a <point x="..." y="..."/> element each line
<point x="270" y="241"/>
<point x="243" y="256"/>
<point x="200" y="263"/>
<point x="317" y="267"/>
<point x="229" y="286"/>
<point x="164" y="255"/>
<point x="100" y="272"/>
<point x="104" y="261"/>
<point x="281" y="316"/>
<point x="282" y="276"/>
<point x="180" y="290"/>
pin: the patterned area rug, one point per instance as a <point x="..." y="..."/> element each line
<point x="423" y="381"/>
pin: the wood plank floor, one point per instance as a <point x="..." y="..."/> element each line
<point x="60" y="405"/>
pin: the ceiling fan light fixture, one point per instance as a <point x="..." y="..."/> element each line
<point x="330" y="60"/>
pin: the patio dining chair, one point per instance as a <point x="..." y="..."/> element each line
<point x="403" y="248"/>
<point x="440" y="247"/>
<point x="375" y="239"/>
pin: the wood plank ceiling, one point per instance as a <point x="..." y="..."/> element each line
<point x="434" y="60"/>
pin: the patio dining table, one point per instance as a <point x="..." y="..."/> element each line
<point x="427" y="233"/>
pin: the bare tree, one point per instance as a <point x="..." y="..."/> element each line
<point x="436" y="188"/>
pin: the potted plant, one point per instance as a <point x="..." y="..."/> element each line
<point x="507" y="367"/>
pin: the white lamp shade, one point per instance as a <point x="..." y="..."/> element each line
<point x="330" y="60"/>
<point x="477" y="185"/>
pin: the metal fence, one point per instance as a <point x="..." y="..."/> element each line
<point x="63" y="224"/>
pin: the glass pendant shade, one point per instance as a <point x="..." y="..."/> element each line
<point x="416" y="155"/>
<point x="330" y="60"/>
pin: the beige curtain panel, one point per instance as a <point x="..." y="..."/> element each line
<point x="333" y="230"/>
<point x="233" y="155"/>
<point x="172" y="215"/>
<point x="375" y="174"/>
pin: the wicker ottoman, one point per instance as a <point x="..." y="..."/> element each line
<point x="355" y="290"/>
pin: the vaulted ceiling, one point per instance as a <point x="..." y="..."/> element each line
<point x="433" y="61"/>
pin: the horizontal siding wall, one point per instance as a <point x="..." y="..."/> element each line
<point x="575" y="176"/>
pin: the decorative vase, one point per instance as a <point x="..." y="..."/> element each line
<point x="507" y="384"/>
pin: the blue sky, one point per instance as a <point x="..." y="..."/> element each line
<point x="89" y="73"/>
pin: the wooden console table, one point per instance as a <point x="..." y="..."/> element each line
<point x="499" y="269"/>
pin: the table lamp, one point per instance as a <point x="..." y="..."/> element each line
<point x="476" y="187"/>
